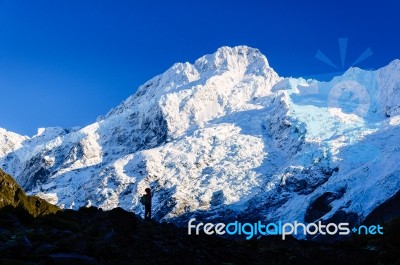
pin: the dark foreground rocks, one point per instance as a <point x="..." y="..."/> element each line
<point x="35" y="232"/>
<point x="92" y="236"/>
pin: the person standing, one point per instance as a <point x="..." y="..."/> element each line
<point x="146" y="201"/>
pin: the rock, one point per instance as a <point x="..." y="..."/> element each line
<point x="321" y="206"/>
<point x="45" y="248"/>
<point x="26" y="242"/>
<point x="71" y="258"/>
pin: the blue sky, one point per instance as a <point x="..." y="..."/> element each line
<point x="64" y="63"/>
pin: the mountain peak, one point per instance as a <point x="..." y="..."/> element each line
<point x="239" y="51"/>
<point x="10" y="141"/>
<point x="237" y="62"/>
<point x="238" y="58"/>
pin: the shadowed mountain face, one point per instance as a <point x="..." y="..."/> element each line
<point x="227" y="138"/>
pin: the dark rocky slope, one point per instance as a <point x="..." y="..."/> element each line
<point x="11" y="194"/>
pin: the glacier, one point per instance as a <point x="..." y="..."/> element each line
<point x="225" y="138"/>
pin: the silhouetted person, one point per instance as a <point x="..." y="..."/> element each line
<point x="147" y="205"/>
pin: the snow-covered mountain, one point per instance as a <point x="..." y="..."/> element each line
<point x="10" y="141"/>
<point x="226" y="137"/>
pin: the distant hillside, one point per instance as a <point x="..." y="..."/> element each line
<point x="11" y="194"/>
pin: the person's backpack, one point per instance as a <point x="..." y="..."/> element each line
<point x="143" y="199"/>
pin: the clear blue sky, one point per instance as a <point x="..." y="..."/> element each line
<point x="63" y="63"/>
